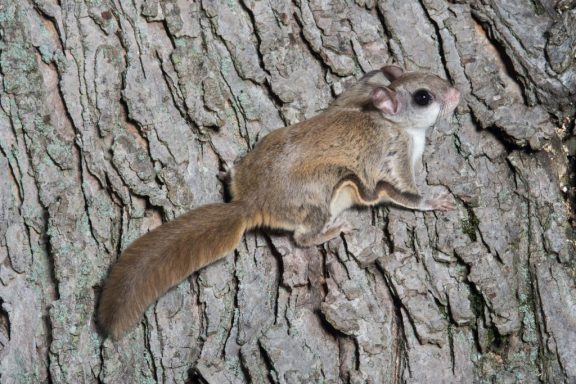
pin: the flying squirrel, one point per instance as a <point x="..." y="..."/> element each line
<point x="361" y="151"/>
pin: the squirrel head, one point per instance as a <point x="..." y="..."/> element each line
<point x="411" y="99"/>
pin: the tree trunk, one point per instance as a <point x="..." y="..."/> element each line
<point x="118" y="115"/>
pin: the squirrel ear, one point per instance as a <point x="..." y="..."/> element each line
<point x="385" y="100"/>
<point x="392" y="72"/>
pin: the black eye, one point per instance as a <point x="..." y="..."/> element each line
<point x="422" y="97"/>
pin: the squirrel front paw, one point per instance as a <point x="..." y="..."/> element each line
<point x="441" y="203"/>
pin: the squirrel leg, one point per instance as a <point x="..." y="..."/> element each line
<point x="389" y="193"/>
<point x="305" y="237"/>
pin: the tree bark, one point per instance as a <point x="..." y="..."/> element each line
<point x="118" y="115"/>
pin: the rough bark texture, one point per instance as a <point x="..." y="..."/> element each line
<point x="117" y="115"/>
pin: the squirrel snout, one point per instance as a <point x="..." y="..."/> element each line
<point x="452" y="98"/>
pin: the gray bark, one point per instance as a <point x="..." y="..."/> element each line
<point x="117" y="115"/>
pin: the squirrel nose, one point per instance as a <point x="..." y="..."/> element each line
<point x="453" y="96"/>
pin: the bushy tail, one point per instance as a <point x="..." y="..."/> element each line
<point x="165" y="256"/>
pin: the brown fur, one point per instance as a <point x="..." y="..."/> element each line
<point x="167" y="255"/>
<point x="299" y="179"/>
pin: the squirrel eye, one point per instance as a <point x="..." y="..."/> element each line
<point x="422" y="97"/>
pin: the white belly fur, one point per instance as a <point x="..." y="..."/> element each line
<point x="418" y="136"/>
<point x="344" y="199"/>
